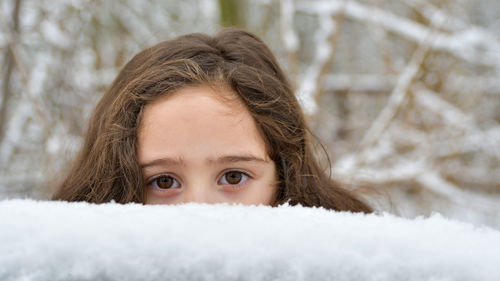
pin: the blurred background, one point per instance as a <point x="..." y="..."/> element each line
<point x="403" y="94"/>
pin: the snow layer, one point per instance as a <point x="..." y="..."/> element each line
<point x="80" y="241"/>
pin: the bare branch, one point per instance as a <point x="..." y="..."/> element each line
<point x="383" y="83"/>
<point x="288" y="34"/>
<point x="433" y="181"/>
<point x="490" y="143"/>
<point x="6" y="90"/>
<point x="473" y="44"/>
<point x="325" y="38"/>
<point x="437" y="16"/>
<point x="358" y="82"/>
<point x="398" y="94"/>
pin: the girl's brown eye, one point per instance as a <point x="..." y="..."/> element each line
<point x="233" y="177"/>
<point x="165" y="182"/>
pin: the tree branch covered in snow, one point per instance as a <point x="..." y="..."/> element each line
<point x="473" y="44"/>
<point x="416" y="135"/>
<point x="7" y="73"/>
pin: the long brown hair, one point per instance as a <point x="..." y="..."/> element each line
<point x="107" y="169"/>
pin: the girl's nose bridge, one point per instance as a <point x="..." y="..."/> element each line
<point x="198" y="192"/>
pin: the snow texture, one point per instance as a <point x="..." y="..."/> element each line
<point x="81" y="241"/>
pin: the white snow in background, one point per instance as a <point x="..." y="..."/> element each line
<point x="53" y="145"/>
<point x="474" y="44"/>
<point x="14" y="133"/>
<point x="309" y="82"/>
<point x="80" y="241"/>
<point x="209" y="10"/>
<point x="54" y="35"/>
<point x="290" y="38"/>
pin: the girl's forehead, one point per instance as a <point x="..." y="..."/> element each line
<point x="194" y="120"/>
<point x="191" y="100"/>
<point x="220" y="93"/>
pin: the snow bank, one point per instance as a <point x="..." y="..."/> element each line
<point x="80" y="241"/>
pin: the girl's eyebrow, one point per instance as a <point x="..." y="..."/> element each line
<point x="238" y="158"/>
<point x="168" y="161"/>
<point x="165" y="161"/>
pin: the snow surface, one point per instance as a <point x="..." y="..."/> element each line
<point x="81" y="241"/>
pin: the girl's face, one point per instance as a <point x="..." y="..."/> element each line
<point x="195" y="147"/>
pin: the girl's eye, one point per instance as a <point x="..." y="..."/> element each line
<point x="233" y="178"/>
<point x="165" y="182"/>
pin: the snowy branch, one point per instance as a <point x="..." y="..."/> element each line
<point x="472" y="44"/>
<point x="289" y="35"/>
<point x="311" y="78"/>
<point x="398" y="94"/>
<point x="489" y="143"/>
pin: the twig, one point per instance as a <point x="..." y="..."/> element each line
<point x="288" y="34"/>
<point x="398" y="95"/>
<point x="9" y="61"/>
<point x="437" y="16"/>
<point x="474" y="44"/>
<point x="325" y="45"/>
<point x="431" y="180"/>
<point x="456" y="118"/>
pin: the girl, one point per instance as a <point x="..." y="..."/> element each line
<point x="202" y="119"/>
